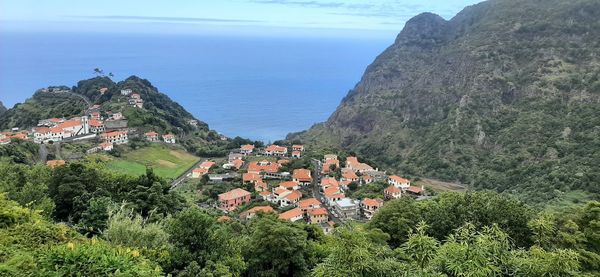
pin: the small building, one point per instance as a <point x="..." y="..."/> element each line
<point x="106" y="146"/>
<point x="97" y="126"/>
<point x="302" y="176"/>
<point x="398" y="182"/>
<point x="296" y="154"/>
<point x="329" y="164"/>
<point x="290" y="199"/>
<point x="370" y="206"/>
<point x="414" y="190"/>
<point x="318" y="215"/>
<point x="263" y="166"/>
<point x="218" y="178"/>
<point x="292" y="215"/>
<point x="199" y="172"/>
<point x="392" y="192"/>
<point x="349" y="176"/>
<point x="328" y="157"/>
<point x="328" y="182"/>
<point x="116" y="137"/>
<point x="250" y="178"/>
<point x="261" y="186"/>
<point x="346" y="208"/>
<point x="126" y="92"/>
<point x="275" y="150"/>
<point x="290" y="185"/>
<point x="308" y="204"/>
<point x="246" y="149"/>
<point x="297" y="147"/>
<point x="95" y="115"/>
<point x="55" y="163"/>
<point x="249" y="214"/>
<point x="235" y="156"/>
<point x="169" y="138"/>
<point x="235" y="164"/>
<point x="234" y="198"/>
<point x="151" y="136"/>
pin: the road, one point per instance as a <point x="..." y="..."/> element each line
<point x="317" y="193"/>
<point x="185" y="175"/>
<point x="87" y="101"/>
<point x="43" y="153"/>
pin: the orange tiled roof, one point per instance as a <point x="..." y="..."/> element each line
<point x="331" y="191"/>
<point x="392" y="189"/>
<point x="415" y="189"/>
<point x="151" y="134"/>
<point x="168" y="136"/>
<point x="113" y="134"/>
<point x="53" y="163"/>
<point x="329" y="181"/>
<point x="288" y="185"/>
<point x="275" y="148"/>
<point x="250" y="177"/>
<point x="269" y="167"/>
<point x="290" y="214"/>
<point x="350" y="175"/>
<point x="372" y="202"/>
<point x="263" y="209"/>
<point x="207" y="164"/>
<point x="233" y="194"/>
<point x="399" y="179"/>
<point x="309" y="202"/>
<point x="247" y="147"/>
<point x="96" y="123"/>
<point x="302" y="174"/>
<point x="318" y="211"/>
<point x="294" y="196"/>
<point x="69" y="124"/>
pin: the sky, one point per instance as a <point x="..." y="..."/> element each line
<point x="220" y="16"/>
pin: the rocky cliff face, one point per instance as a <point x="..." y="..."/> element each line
<point x="2" y="108"/>
<point x="491" y="91"/>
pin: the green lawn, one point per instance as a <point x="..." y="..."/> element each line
<point x="166" y="162"/>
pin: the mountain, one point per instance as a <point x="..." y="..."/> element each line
<point x="2" y="108"/>
<point x="159" y="112"/>
<point x="505" y="96"/>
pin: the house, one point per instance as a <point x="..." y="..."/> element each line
<point x="55" y="163"/>
<point x="370" y="206"/>
<point x="235" y="164"/>
<point x="290" y="199"/>
<point x="116" y="137"/>
<point x="218" y="178"/>
<point x="126" y="92"/>
<point x="263" y="166"/>
<point x="333" y="195"/>
<point x="117" y="116"/>
<point x="302" y="176"/>
<point x="353" y="164"/>
<point x="290" y="185"/>
<point x="95" y="115"/>
<point x="235" y="156"/>
<point x="366" y="179"/>
<point x="392" y="192"/>
<point x="327" y="227"/>
<point x="398" y="182"/>
<point x="4" y="141"/>
<point x="250" y="178"/>
<point x="275" y="150"/>
<point x="230" y="200"/>
<point x="136" y="96"/>
<point x="96" y="126"/>
<point x="292" y="215"/>
<point x="246" y="149"/>
<point x="414" y="190"/>
<point x="349" y="176"/>
<point x="105" y="146"/>
<point x="207" y="164"/>
<point x="296" y="154"/>
<point x="261" y="186"/>
<point x="151" y="136"/>
<point x="308" y="204"/>
<point x="45" y="134"/>
<point x="329" y="164"/>
<point x="169" y="138"/>
<point x="299" y="148"/>
<point x="318" y="215"/>
<point x="346" y="208"/>
<point x="328" y="182"/>
<point x="19" y="136"/>
<point x="199" y="172"/>
<point x="265" y="195"/>
<point x="249" y="214"/>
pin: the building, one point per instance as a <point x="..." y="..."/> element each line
<point x="232" y="199"/>
<point x="328" y="157"/>
<point x="151" y="136"/>
<point x="261" y="186"/>
<point x="218" y="178"/>
<point x="297" y="147"/>
<point x="249" y="214"/>
<point x="308" y="204"/>
<point x="296" y="154"/>
<point x="317" y="216"/>
<point x="250" y="178"/>
<point x="106" y="146"/>
<point x="275" y="150"/>
<point x="329" y="182"/>
<point x="302" y="176"/>
<point x="353" y="164"/>
<point x="116" y="137"/>
<point x="414" y="190"/>
<point x="117" y="116"/>
<point x="169" y="138"/>
<point x="292" y="215"/>
<point x="349" y="176"/>
<point x="346" y="208"/>
<point x="392" y="192"/>
<point x="290" y="185"/>
<point x="330" y="164"/>
<point x="370" y="206"/>
<point x="290" y="199"/>
<point x="55" y="163"/>
<point x="366" y="179"/>
<point x="263" y="166"/>
<point x="97" y="126"/>
<point x="246" y="149"/>
<point x="234" y="164"/>
<point x="235" y="156"/>
<point x="126" y="92"/>
<point x="199" y="172"/>
<point x="398" y="182"/>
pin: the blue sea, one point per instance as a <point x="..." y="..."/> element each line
<point x="256" y="87"/>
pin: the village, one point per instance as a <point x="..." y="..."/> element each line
<point x="310" y="194"/>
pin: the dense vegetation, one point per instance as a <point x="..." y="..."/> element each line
<point x="2" y="108"/>
<point x="503" y="96"/>
<point x="83" y="219"/>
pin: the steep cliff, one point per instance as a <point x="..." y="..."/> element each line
<point x="505" y="95"/>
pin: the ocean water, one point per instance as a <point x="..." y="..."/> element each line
<point x="255" y="87"/>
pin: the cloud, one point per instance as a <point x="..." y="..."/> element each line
<point x="168" y="19"/>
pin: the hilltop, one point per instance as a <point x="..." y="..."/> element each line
<point x="2" y="108"/>
<point x="503" y="96"/>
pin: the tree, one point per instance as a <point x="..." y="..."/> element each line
<point x="420" y="248"/>
<point x="98" y="71"/>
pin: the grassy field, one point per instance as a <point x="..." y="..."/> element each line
<point x="440" y="186"/>
<point x="166" y="162"/>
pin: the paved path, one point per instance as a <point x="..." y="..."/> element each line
<point x="43" y="153"/>
<point x="177" y="181"/>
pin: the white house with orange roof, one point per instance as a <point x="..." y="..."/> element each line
<point x="292" y="215"/>
<point x="96" y="126"/>
<point x="308" y="204"/>
<point x="317" y="216"/>
<point x="251" y="178"/>
<point x="399" y="182"/>
<point x="199" y="172"/>
<point x="290" y="185"/>
<point x="369" y="206"/>
<point x="246" y="149"/>
<point x="263" y="166"/>
<point x="106" y="146"/>
<point x="296" y="154"/>
<point x="116" y="137"/>
<point x="302" y="176"/>
<point x="151" y="136"/>
<point x="261" y="186"/>
<point x="249" y="214"/>
<point x="328" y="182"/>
<point x="329" y="164"/>
<point x="392" y="192"/>
<point x="169" y="138"/>
<point x="298" y="147"/>
<point x="353" y="164"/>
<point x="276" y="150"/>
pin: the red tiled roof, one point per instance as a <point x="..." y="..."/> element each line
<point x="250" y="177"/>
<point x="415" y="189"/>
<point x="331" y="191"/>
<point x="303" y="175"/>
<point x="309" y="202"/>
<point x="247" y="147"/>
<point x="113" y="134"/>
<point x="263" y="209"/>
<point x="398" y="179"/>
<point x="151" y="134"/>
<point x="372" y="202"/>
<point x="269" y="167"/>
<point x="350" y="175"/>
<point x="96" y="123"/>
<point x="275" y="148"/>
<point x="392" y="189"/>
<point x="207" y="164"/>
<point x="294" y="196"/>
<point x="318" y="211"/>
<point x="329" y="181"/>
<point x="69" y="124"/>
<point x="288" y="185"/>
<point x="233" y="194"/>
